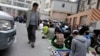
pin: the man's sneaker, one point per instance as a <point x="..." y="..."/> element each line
<point x="43" y="37"/>
<point x="32" y="45"/>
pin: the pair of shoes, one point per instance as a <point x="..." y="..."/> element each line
<point x="32" y="45"/>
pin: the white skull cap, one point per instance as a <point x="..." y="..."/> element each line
<point x="75" y="31"/>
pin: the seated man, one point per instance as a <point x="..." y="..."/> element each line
<point x="67" y="33"/>
<point x="59" y="37"/>
<point x="68" y="42"/>
<point x="45" y="31"/>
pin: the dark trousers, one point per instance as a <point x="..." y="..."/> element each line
<point x="31" y="33"/>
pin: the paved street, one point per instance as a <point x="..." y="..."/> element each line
<point x="21" y="48"/>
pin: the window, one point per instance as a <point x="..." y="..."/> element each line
<point x="99" y="4"/>
<point x="9" y="2"/>
<point x="75" y="20"/>
<point x="82" y="6"/>
<point x="21" y="0"/>
<point x="29" y="2"/>
<point x="75" y="23"/>
<point x="47" y="5"/>
<point x="89" y="2"/>
<point x="92" y="1"/>
<point x="70" y="20"/>
<point x="63" y="5"/>
<point x="19" y="4"/>
<point x="15" y="3"/>
<point x="83" y="20"/>
<point x="26" y="6"/>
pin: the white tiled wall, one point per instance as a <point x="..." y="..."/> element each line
<point x="69" y="7"/>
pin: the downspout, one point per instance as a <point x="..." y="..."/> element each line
<point x="78" y="5"/>
<point x="98" y="1"/>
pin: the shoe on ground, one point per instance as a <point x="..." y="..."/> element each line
<point x="43" y="37"/>
<point x="32" y="45"/>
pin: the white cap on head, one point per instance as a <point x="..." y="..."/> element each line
<point x="75" y="31"/>
<point x="66" y="27"/>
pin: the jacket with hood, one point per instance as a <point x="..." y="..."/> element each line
<point x="78" y="46"/>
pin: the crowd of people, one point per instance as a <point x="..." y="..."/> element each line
<point x="77" y="40"/>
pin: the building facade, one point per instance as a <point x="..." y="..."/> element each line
<point x="44" y="14"/>
<point x="89" y="4"/>
<point x="88" y="11"/>
<point x="60" y="9"/>
<point x="17" y="3"/>
<point x="25" y="4"/>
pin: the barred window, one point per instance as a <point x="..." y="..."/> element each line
<point x="63" y="5"/>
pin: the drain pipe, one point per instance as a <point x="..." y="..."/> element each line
<point x="78" y="5"/>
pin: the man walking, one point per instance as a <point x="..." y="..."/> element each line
<point x="32" y="23"/>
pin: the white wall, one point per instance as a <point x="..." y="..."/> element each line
<point x="58" y="16"/>
<point x="42" y="8"/>
<point x="44" y="17"/>
<point x="94" y="3"/>
<point x="69" y="7"/>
